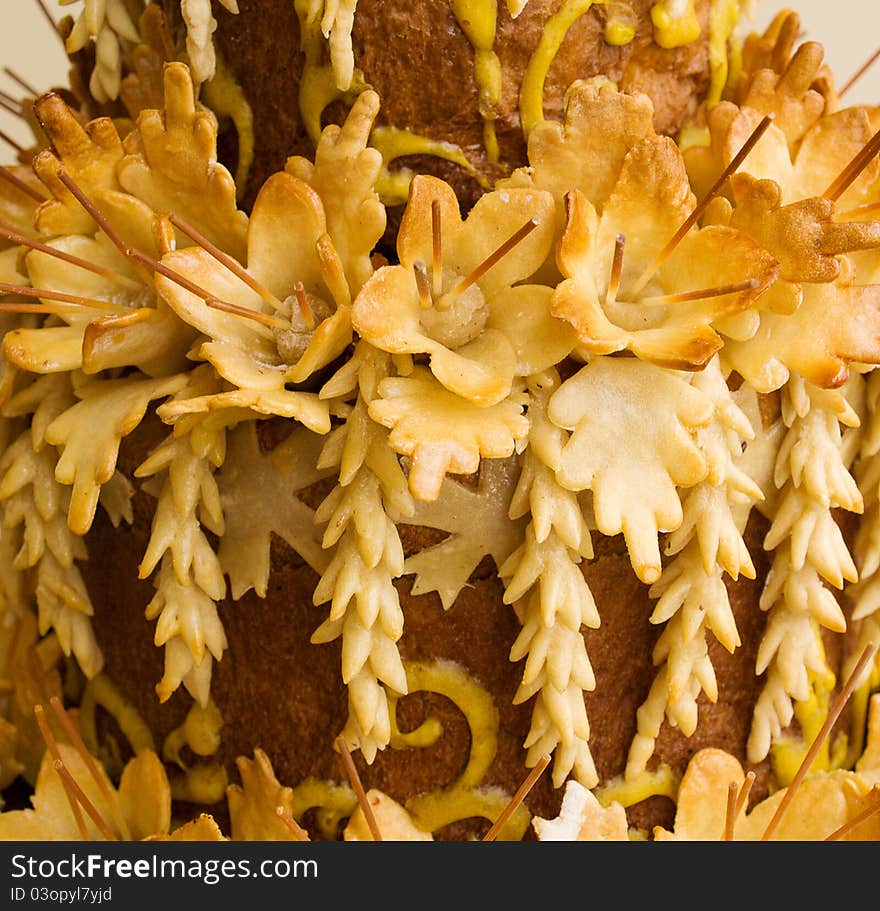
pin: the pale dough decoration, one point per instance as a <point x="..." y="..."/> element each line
<point x="367" y="556"/>
<point x="813" y="478"/>
<point x="865" y="594"/>
<point x="344" y="174"/>
<point x="392" y="820"/>
<point x="170" y="163"/>
<point x="692" y="598"/>
<point x="138" y="808"/>
<point x="544" y="582"/>
<point x="254" y="802"/>
<point x="35" y="506"/>
<point x="619" y="187"/>
<point x="259" y="494"/>
<point x="190" y="579"/>
<point x="27" y="681"/>
<point x="585" y="152"/>
<point x="109" y="25"/>
<point x="443" y="433"/>
<point x="823" y="803"/>
<point x="336" y="20"/>
<point x="478" y="524"/>
<point x="306" y="253"/>
<point x="632" y="466"/>
<point x="90" y="431"/>
<point x="200" y="28"/>
<point x="836" y="325"/>
<point x="470" y="356"/>
<point x="582" y="818"/>
<point x="88" y="154"/>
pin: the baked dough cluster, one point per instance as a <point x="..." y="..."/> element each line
<point x="335" y="499"/>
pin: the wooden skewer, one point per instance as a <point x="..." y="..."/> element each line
<point x="273" y="322"/>
<point x="743" y="797"/>
<point x="701" y="207"/>
<point x="867" y="209"/>
<point x="833" y="715"/>
<point x="437" y="238"/>
<point x="332" y="270"/>
<point x="736" y="801"/>
<point x="103" y="223"/>
<point x="423" y="284"/>
<point x="355" y="780"/>
<point x="89" y="302"/>
<point x="305" y="308"/>
<point x="233" y="265"/>
<point x="704" y="294"/>
<point x="10" y="141"/>
<point x="70" y="792"/>
<point x="17" y="238"/>
<point x="49" y="18"/>
<point x="859" y="73"/>
<point x="210" y="300"/>
<point x="298" y="832"/>
<point x="19" y="184"/>
<point x="851" y="172"/>
<point x="616" y="270"/>
<point x="25" y="85"/>
<point x="516" y="238"/>
<point x="870" y="810"/>
<point x="74" y="736"/>
<point x="11" y="108"/>
<point x="730" y="814"/>
<point x="520" y="795"/>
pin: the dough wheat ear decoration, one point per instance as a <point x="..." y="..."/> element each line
<point x="190" y="580"/>
<point x="692" y="598"/>
<point x="865" y="594"/>
<point x="111" y="27"/>
<point x="552" y="599"/>
<point x="360" y="514"/>
<point x="34" y="507"/>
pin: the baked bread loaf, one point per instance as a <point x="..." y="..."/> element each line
<point x="458" y="389"/>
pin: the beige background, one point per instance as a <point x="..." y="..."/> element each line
<point x="849" y="30"/>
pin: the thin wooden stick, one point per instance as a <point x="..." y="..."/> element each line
<point x="851" y="172"/>
<point x="90" y="302"/>
<point x="298" y="832"/>
<point x="437" y="244"/>
<point x="859" y="73"/>
<point x="833" y="715"/>
<point x="25" y="85"/>
<point x="355" y="780"/>
<point x="476" y="274"/>
<point x="703" y="294"/>
<point x="52" y="746"/>
<point x="743" y="797"/>
<point x="616" y="269"/>
<point x="15" y="237"/>
<point x="19" y="184"/>
<point x="520" y="795"/>
<point x="74" y="736"/>
<point x="233" y="265"/>
<point x="266" y="319"/>
<point x="10" y="141"/>
<point x="730" y="813"/>
<point x="305" y="308"/>
<point x="11" y="108"/>
<point x="423" y="283"/>
<point x="869" y="811"/>
<point x="50" y="19"/>
<point x="701" y="207"/>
